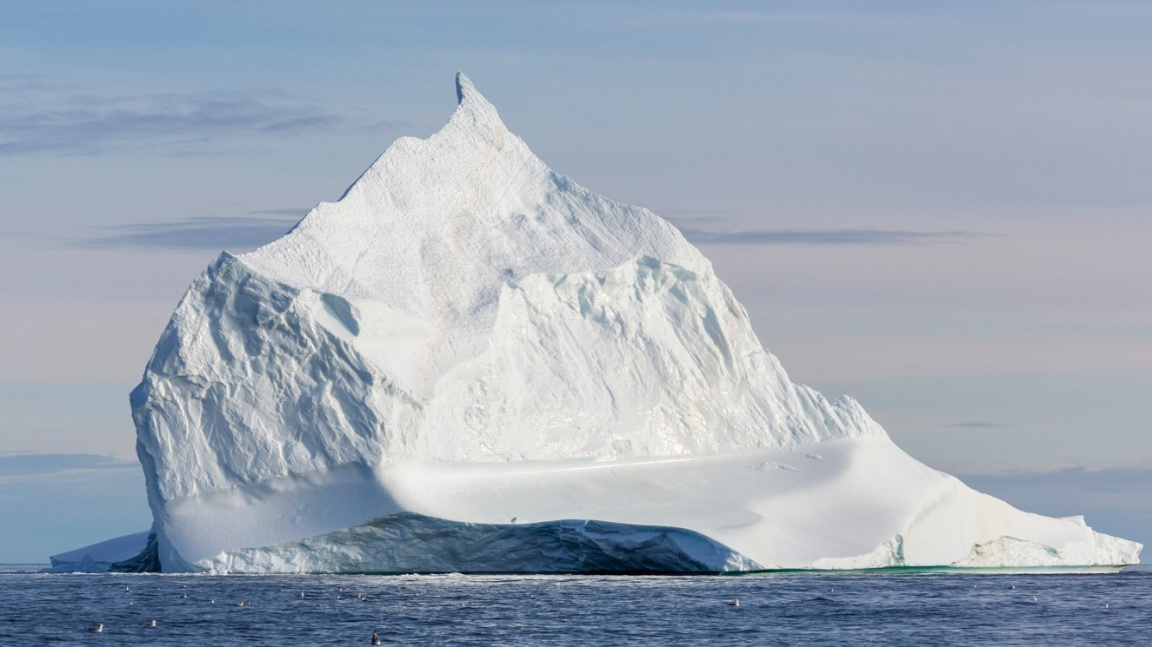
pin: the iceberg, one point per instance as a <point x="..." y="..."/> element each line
<point x="123" y="554"/>
<point x="471" y="363"/>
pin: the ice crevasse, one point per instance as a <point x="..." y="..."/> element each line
<point x="471" y="363"/>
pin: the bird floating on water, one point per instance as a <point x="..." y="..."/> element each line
<point x="98" y="629"/>
<point x="376" y="638"/>
<point x="734" y="603"/>
<point x="150" y="624"/>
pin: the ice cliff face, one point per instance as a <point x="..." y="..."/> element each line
<point x="461" y="304"/>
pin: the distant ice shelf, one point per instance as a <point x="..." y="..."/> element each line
<point x="116" y="554"/>
<point x="470" y="363"/>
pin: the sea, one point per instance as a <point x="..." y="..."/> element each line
<point x="788" y="608"/>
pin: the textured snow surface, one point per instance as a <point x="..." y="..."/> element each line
<point x="469" y="337"/>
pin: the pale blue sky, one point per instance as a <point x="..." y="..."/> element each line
<point x="940" y="208"/>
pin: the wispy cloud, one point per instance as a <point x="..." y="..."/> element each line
<point x="94" y="124"/>
<point x="22" y="83"/>
<point x="668" y="17"/>
<point x="877" y="237"/>
<point x="975" y="424"/>
<point x="209" y="232"/>
<point x="260" y="227"/>
<point x="293" y="212"/>
<point x="31" y="467"/>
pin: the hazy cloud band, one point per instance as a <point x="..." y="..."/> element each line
<point x="211" y="233"/>
<point x="830" y="237"/>
<point x="86" y="125"/>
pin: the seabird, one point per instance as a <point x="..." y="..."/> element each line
<point x="376" y="638"/>
<point x="98" y="629"/>
<point x="151" y="623"/>
<point x="734" y="603"/>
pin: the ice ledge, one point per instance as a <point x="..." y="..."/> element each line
<point x="1099" y="550"/>
<point x="413" y="543"/>
<point x="1004" y="552"/>
<point x="119" y="554"/>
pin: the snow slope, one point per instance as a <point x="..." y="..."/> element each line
<point x="102" y="556"/>
<point x="469" y="350"/>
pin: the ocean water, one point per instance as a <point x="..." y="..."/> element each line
<point x="787" y="608"/>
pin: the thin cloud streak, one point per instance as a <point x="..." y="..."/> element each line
<point x="296" y="213"/>
<point x="211" y="233"/>
<point x="87" y="125"/>
<point x="726" y="18"/>
<point x="975" y="424"/>
<point x="865" y="237"/>
<point x="29" y="467"/>
<point x="263" y="226"/>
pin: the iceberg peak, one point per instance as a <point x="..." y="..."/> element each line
<point x="463" y="86"/>
<point x="476" y="114"/>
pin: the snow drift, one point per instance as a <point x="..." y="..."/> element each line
<point x="471" y="363"/>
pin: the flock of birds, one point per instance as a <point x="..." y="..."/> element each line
<point x="99" y="628"/>
<point x="736" y="601"/>
<point x="376" y="639"/>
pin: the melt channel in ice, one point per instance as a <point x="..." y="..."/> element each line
<point x="471" y="363"/>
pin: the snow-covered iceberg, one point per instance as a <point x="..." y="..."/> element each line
<point x="471" y="363"/>
<point x="127" y="553"/>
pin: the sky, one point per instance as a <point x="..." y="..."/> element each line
<point x="939" y="208"/>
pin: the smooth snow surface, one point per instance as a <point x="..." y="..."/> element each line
<point x="469" y="350"/>
<point x="100" y="557"/>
